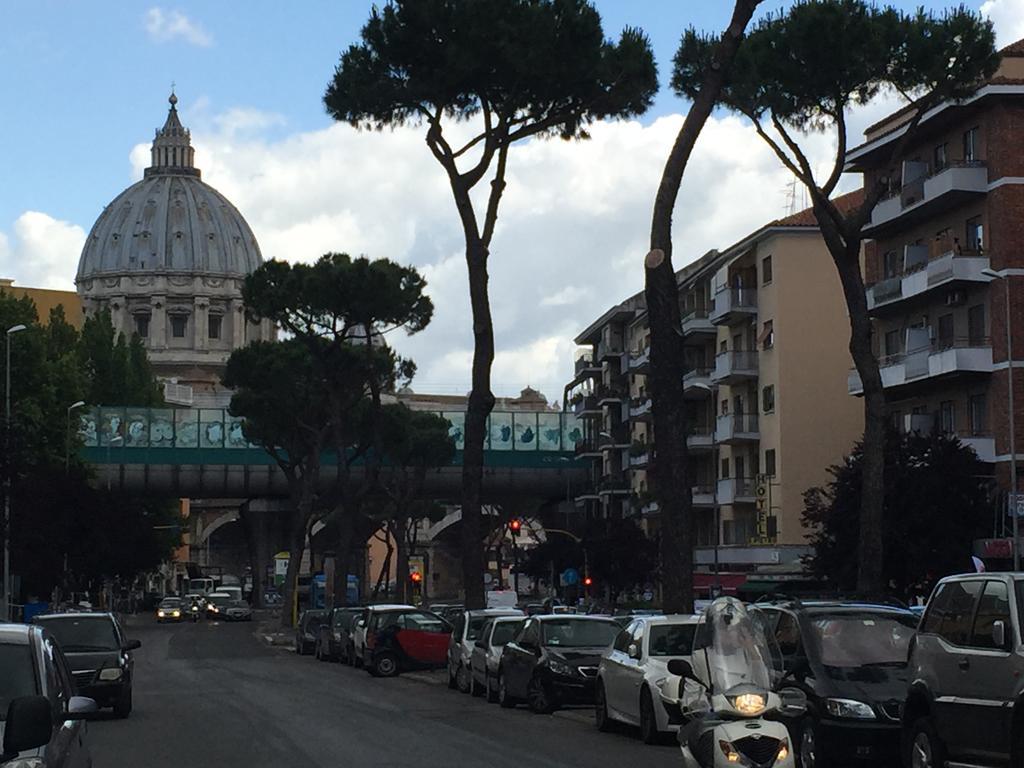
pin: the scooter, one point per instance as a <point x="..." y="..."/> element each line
<point x="728" y="691"/>
<point x="194" y="612"/>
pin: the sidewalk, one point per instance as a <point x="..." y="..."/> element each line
<point x="268" y="628"/>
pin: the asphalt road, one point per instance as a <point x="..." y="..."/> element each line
<point x="211" y="694"/>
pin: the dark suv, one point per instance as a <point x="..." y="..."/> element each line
<point x="966" y="696"/>
<point x="851" y="660"/>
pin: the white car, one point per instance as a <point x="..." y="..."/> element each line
<point x="632" y="673"/>
<point x="360" y="625"/>
<point x="465" y="631"/>
<point x="486" y="654"/>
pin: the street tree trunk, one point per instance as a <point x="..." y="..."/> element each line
<point x="343" y="557"/>
<point x="672" y="486"/>
<point x="298" y="522"/>
<point x="402" y="584"/>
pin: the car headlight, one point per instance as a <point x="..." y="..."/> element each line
<point x="848" y="709"/>
<point x="561" y="668"/>
<point x="159" y="614"/>
<point x="748" y="703"/>
<point x="176" y="613"/>
<point x="111" y="673"/>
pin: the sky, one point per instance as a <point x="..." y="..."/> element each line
<point x="84" y="85"/>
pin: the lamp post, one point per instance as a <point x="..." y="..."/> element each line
<point x="7" y="476"/>
<point x="67" y="434"/>
<point x="110" y="442"/>
<point x="1009" y="397"/>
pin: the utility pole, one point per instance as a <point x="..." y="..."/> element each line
<point x="7" y="476"/>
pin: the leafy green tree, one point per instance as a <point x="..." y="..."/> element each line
<point x="936" y="503"/>
<point x="798" y="73"/>
<point x="620" y="555"/>
<point x="517" y="69"/>
<point x="118" y="370"/>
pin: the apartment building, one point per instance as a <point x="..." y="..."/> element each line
<point x="764" y="325"/>
<point x="945" y="259"/>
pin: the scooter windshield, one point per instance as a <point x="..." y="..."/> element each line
<point x="737" y="650"/>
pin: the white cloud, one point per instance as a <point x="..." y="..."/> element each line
<point x="565" y="297"/>
<point x="165" y="26"/>
<point x="1008" y="18"/>
<point x="43" y="253"/>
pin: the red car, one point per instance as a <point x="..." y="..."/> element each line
<point x="400" y="639"/>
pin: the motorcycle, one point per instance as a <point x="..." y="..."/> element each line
<point x="731" y="693"/>
<point x="194" y="612"/>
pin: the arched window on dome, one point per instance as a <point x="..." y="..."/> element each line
<point x="142" y="324"/>
<point x="215" y="323"/>
<point x="179" y="326"/>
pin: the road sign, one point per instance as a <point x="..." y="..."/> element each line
<point x="1015" y="502"/>
<point x="570" y="577"/>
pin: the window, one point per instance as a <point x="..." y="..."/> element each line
<point x="947" y="417"/>
<point x="766" y="270"/>
<point x="723" y="347"/>
<point x="142" y="325"/>
<point x="893" y="342"/>
<point x="768" y="398"/>
<point x="975" y="235"/>
<point x="941" y="157"/>
<point x="623" y="639"/>
<point x="767" y="337"/>
<point x="994" y="606"/>
<point x="951" y="610"/>
<point x="725" y="469"/>
<point x="976" y="325"/>
<point x="18" y="677"/>
<point x="971" y="144"/>
<point x="891" y="264"/>
<point x="672" y="639"/>
<point x="179" y="323"/>
<point x="214" y="322"/>
<point x="977" y="412"/>
<point x="740" y="466"/>
<point x="945" y="339"/>
<point x="725" y="406"/>
<point x="769" y="462"/>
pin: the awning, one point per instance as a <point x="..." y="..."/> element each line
<point x="729" y="582"/>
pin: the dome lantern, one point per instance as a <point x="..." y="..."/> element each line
<point x="172" y="151"/>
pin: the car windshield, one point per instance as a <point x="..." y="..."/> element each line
<point x="171" y="602"/>
<point x="579" y="633"/>
<point x="671" y="639"/>
<point x="857" y="640"/>
<point x="505" y="631"/>
<point x="85" y="633"/>
<point x="425" y="622"/>
<point x="17" y="675"/>
<point x="220" y="600"/>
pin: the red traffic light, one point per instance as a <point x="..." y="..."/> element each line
<point x="416" y="576"/>
<point x="515" y="525"/>
<point x="587" y="581"/>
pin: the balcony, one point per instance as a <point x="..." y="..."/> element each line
<point x="731" y="367"/>
<point x="610" y="350"/>
<point x="734" y="428"/>
<point x="640" y="454"/>
<point x="733" y="305"/>
<point x="943" y="265"/>
<point x="613" y="486"/>
<point x="588" y="448"/>
<point x="610" y="395"/>
<point x="701" y="439"/>
<point x="697" y="321"/>
<point x="925" y="197"/>
<point x="640" y="362"/>
<point x="585" y="405"/>
<point x="697" y="383"/>
<point x="618" y="437"/>
<point x="704" y="495"/>
<point x="984" y="446"/>
<point x="940" y="358"/>
<point x="587" y="366"/>
<point x="736" y="490"/>
<point x="640" y="408"/>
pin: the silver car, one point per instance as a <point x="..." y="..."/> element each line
<point x="634" y="671"/>
<point x="43" y="720"/>
<point x="483" y="662"/>
<point x="460" y="645"/>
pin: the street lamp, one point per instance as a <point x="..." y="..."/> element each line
<point x="7" y="476"/>
<point x="67" y="434"/>
<point x="991" y="273"/>
<point x="110" y="442"/>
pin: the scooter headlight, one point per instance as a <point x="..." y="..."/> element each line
<point x="729" y="751"/>
<point x="783" y="752"/>
<point x="749" y="703"/>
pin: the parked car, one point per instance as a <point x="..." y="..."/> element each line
<point x="237" y="610"/>
<point x="399" y="639"/>
<point x="360" y="626"/>
<point x="43" y="723"/>
<point x="466" y="629"/>
<point x="553" y="661"/>
<point x="483" y="662"/>
<point x="217" y="604"/>
<point x="99" y="654"/>
<point x="632" y="672"/>
<point x="335" y="638"/>
<point x="967" y="671"/>
<point x="450" y="612"/>
<point x="850" y="659"/>
<point x="170" y="609"/>
<point x="307" y="629"/>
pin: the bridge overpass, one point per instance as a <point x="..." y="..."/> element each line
<point x="202" y="453"/>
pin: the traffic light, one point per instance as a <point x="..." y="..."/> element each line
<point x="416" y="577"/>
<point x="515" y="525"/>
<point x="587" y="581"/>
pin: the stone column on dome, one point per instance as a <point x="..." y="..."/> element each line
<point x="237" y="313"/>
<point x="118" y="311"/>
<point x="158" y="322"/>
<point x="201" y="323"/>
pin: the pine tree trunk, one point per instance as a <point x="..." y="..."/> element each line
<point x="481" y="401"/>
<point x="296" y="547"/>
<point x="342" y="557"/>
<point x="402" y="591"/>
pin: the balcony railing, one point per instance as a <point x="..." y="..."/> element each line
<point x="640" y="454"/>
<point x="926" y="195"/>
<point x="639" y="362"/>
<point x="701" y="438"/>
<point x="697" y="382"/>
<point x="704" y="495"/>
<point x="732" y="304"/>
<point x="697" y="321"/>
<point x="640" y="407"/>
<point x="609" y="395"/>
<point x="588" y="447"/>
<point x="615" y="485"/>
<point x="610" y="349"/>
<point x="617" y="437"/>
<point x="585" y="404"/>
<point x="734" y="366"/>
<point x="947" y="262"/>
<point x="736" y="490"/>
<point x="585" y="363"/>
<point x="941" y="357"/>
<point x="737" y="427"/>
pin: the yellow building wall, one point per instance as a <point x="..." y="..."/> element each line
<point x="46" y="299"/>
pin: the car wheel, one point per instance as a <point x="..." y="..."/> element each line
<point x="505" y="700"/>
<point x="385" y="665"/>
<point x="538" y="697"/>
<point x="926" y="749"/>
<point x="492" y="694"/>
<point x="649" y="733"/>
<point x="123" y="707"/>
<point x="601" y="719"/>
<point x="462" y="679"/>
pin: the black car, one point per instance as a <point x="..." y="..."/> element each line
<point x="99" y="655"/>
<point x="851" y="661"/>
<point x="334" y="642"/>
<point x="553" y="661"/>
<point x="307" y="629"/>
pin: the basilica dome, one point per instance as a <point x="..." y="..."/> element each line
<point x="168" y="257"/>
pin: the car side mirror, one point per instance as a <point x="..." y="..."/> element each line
<point x="80" y="707"/>
<point x="681" y="668"/>
<point x="29" y="725"/>
<point x="132" y="645"/>
<point x="999" y="634"/>
<point x="793" y="702"/>
<point x="633" y="651"/>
